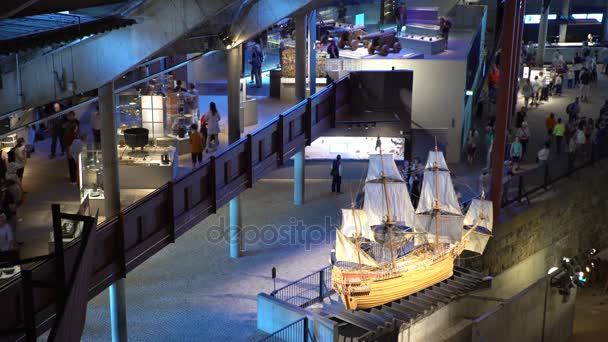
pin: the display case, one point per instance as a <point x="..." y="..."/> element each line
<point x="147" y="168"/>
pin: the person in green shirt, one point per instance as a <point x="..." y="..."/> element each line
<point x="516" y="151"/>
<point x="558" y="132"/>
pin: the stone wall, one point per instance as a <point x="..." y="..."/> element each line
<point x="568" y="219"/>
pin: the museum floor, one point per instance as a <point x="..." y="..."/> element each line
<point x="193" y="287"/>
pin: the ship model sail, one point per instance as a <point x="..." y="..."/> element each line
<point x="387" y="250"/>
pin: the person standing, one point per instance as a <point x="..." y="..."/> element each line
<point x="523" y="135"/>
<point x="493" y="80"/>
<point x="573" y="109"/>
<point x="543" y="154"/>
<point x="196" y="145"/>
<point x="55" y="129"/>
<point x="471" y="145"/>
<point x="577" y="65"/>
<point x="96" y="126"/>
<point x="193" y="101"/>
<point x="444" y="27"/>
<point x="17" y="158"/>
<point x="336" y="174"/>
<point x="332" y="50"/>
<point x="536" y="87"/>
<point x="516" y="153"/>
<point x="558" y="84"/>
<point x="71" y="129"/>
<point x="520" y="117"/>
<point x="585" y="84"/>
<point x="212" y="119"/>
<point x="74" y="149"/>
<point x="399" y="17"/>
<point x="558" y="133"/>
<point x="7" y="238"/>
<point x="527" y="91"/>
<point x="257" y="58"/>
<point x="550" y="123"/>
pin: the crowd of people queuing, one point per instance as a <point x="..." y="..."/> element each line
<point x="570" y="131"/>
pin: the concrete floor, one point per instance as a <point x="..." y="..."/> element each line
<point x="590" y="316"/>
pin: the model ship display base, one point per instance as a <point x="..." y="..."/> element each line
<point x="362" y="289"/>
<point x="364" y="324"/>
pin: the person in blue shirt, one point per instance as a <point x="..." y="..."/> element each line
<point x="516" y="151"/>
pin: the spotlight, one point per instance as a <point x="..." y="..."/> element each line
<point x="566" y="259"/>
<point x="366" y="127"/>
<point x="552" y="270"/>
<point x="587" y="269"/>
<point x="225" y="37"/>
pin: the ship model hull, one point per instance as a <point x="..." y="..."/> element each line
<point x="364" y="289"/>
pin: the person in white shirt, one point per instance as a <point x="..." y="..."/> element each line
<point x="543" y="154"/>
<point x="558" y="84"/>
<point x="7" y="239"/>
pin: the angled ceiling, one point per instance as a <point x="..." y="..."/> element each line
<point x="23" y="8"/>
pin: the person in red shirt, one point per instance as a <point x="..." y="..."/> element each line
<point x="493" y="79"/>
<point x="550" y="123"/>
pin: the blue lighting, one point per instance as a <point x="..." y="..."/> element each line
<point x="360" y="19"/>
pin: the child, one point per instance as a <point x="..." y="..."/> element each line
<point x="570" y="76"/>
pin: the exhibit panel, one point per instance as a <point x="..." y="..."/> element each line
<point x="354" y="148"/>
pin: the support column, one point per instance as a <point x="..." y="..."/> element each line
<point x="542" y="34"/>
<point x="234" y="134"/>
<point x="563" y="28"/>
<point x="511" y="44"/>
<point x="300" y="57"/>
<point x="298" y="177"/>
<point x="234" y="85"/>
<point x="312" y="52"/>
<point x="605" y="26"/>
<point x="235" y="227"/>
<point x="109" y="157"/>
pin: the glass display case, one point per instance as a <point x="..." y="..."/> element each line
<point x="91" y="174"/>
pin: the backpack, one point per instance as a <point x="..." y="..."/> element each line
<point x="11" y="155"/>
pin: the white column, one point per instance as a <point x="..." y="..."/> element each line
<point x="542" y="36"/>
<point x="563" y="28"/>
<point x="109" y="157"/>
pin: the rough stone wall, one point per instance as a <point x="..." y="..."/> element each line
<point x="571" y="217"/>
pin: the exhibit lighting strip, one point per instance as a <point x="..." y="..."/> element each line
<point x="535" y="18"/>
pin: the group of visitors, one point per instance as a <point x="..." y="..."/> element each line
<point x="207" y="137"/>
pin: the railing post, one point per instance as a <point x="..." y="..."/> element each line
<point x="249" y="154"/>
<point x="29" y="315"/>
<point x="213" y="185"/>
<point x="321" y="283"/>
<point x="171" y="214"/>
<point x="308" y="122"/>
<point x="305" y="329"/>
<point x="280" y="140"/>
<point x="60" y="280"/>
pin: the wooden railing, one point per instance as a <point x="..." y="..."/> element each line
<point x="150" y="224"/>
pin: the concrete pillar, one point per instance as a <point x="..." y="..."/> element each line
<point x="605" y="26"/>
<point x="563" y="28"/>
<point x="542" y="35"/>
<point x="312" y="52"/>
<point x="298" y="177"/>
<point x="235" y="227"/>
<point x="234" y="105"/>
<point x="109" y="157"/>
<point x="300" y="57"/>
<point x="118" y="311"/>
<point x="234" y="134"/>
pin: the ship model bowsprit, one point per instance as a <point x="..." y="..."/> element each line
<point x="387" y="251"/>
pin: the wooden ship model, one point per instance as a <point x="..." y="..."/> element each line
<point x="387" y="251"/>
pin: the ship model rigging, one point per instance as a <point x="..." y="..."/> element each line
<point x="387" y="250"/>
